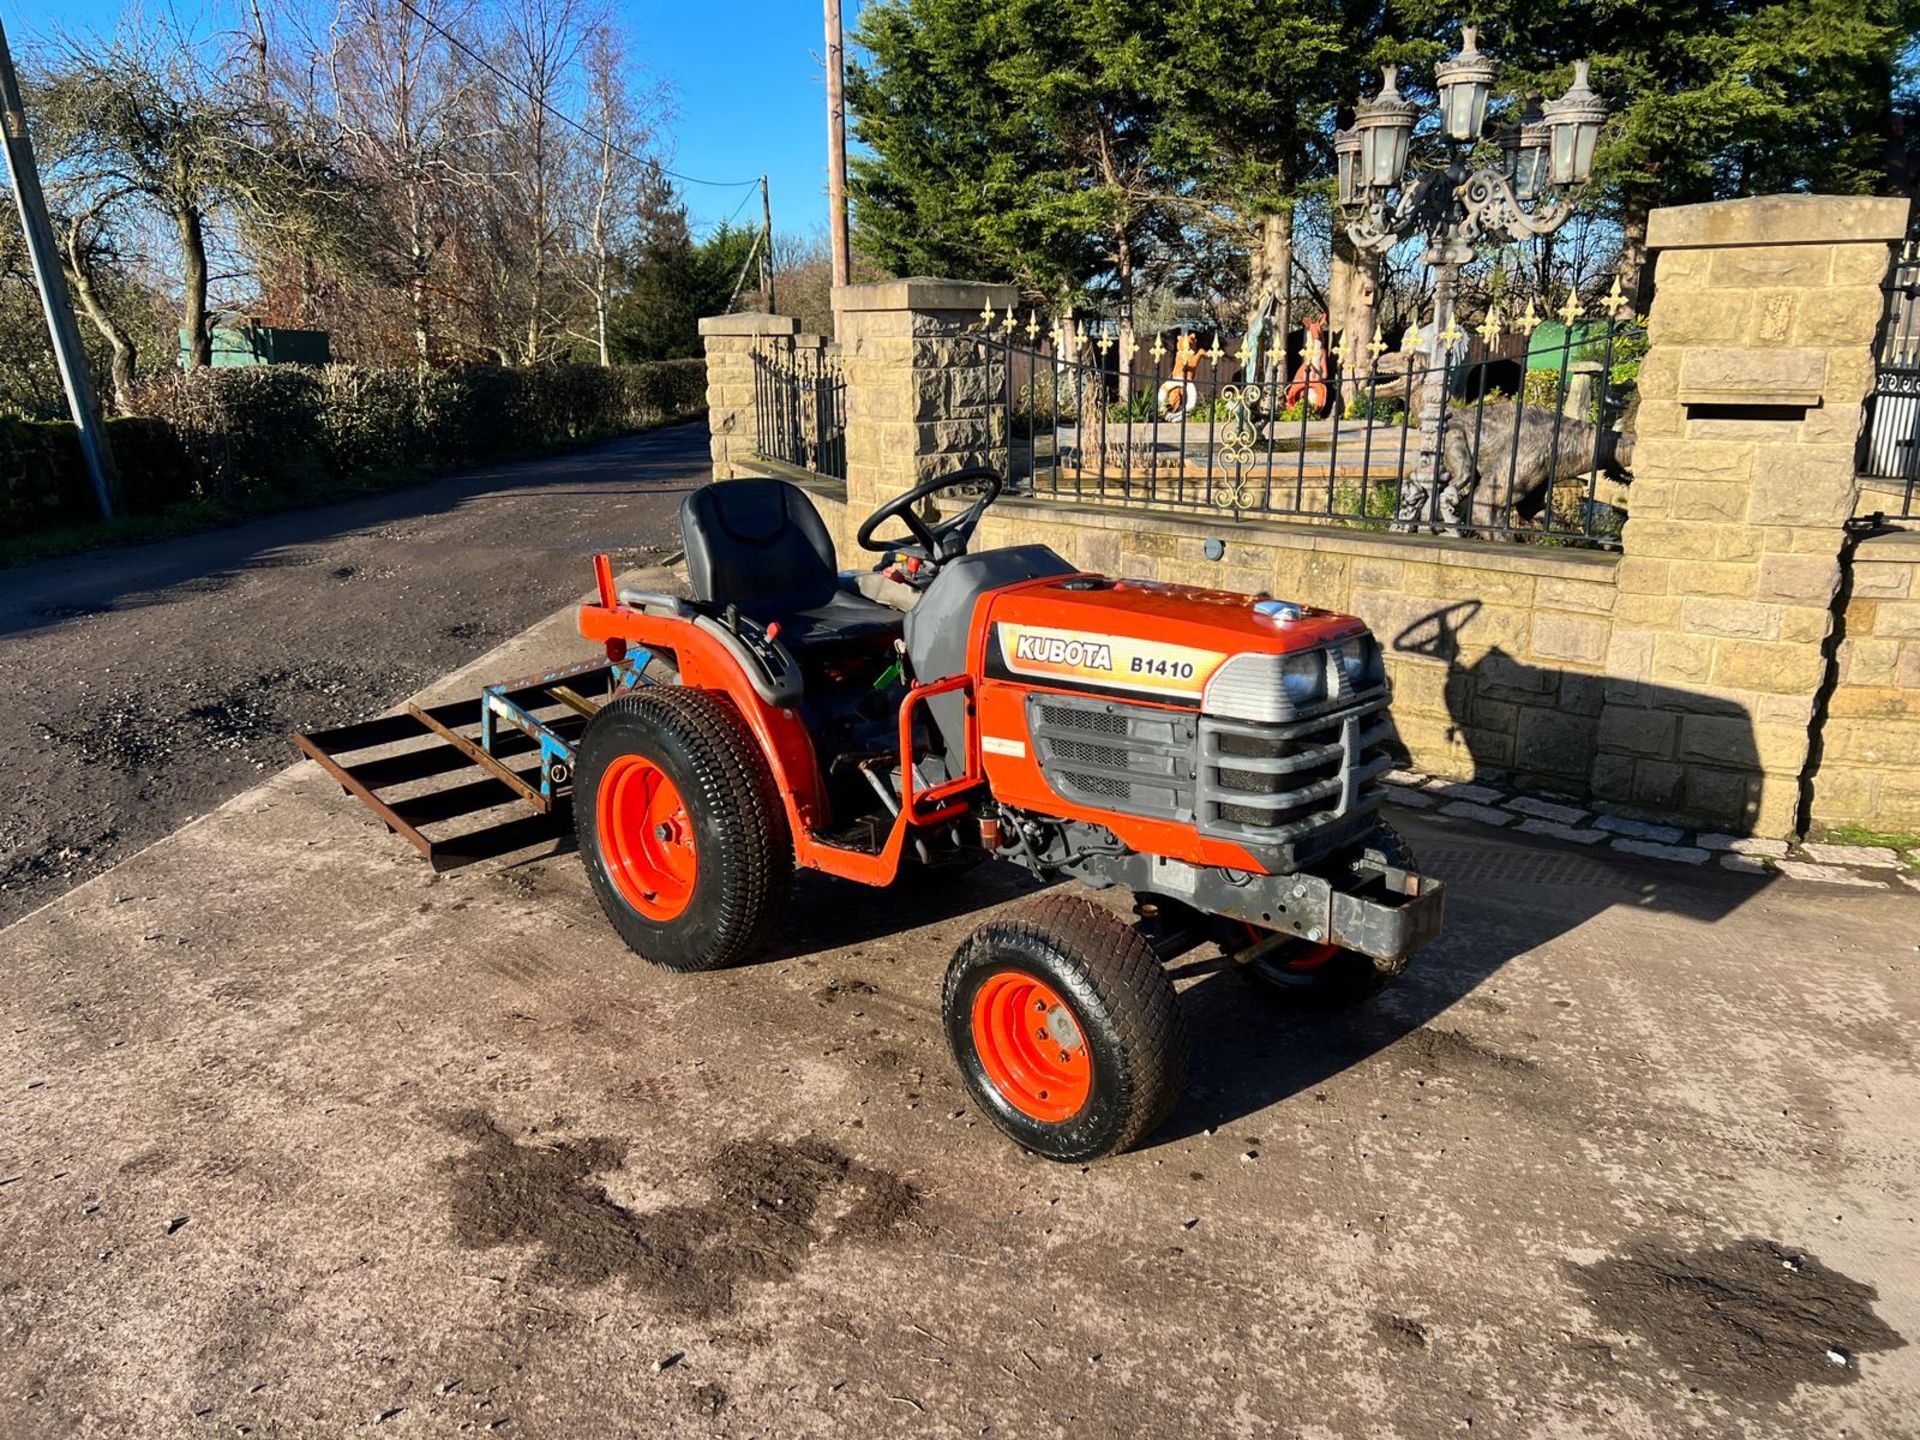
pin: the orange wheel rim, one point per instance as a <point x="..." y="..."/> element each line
<point x="1312" y="957"/>
<point x="646" y="837"/>
<point x="1032" y="1046"/>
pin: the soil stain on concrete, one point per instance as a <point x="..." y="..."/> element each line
<point x="1753" y="1319"/>
<point x="772" y="1202"/>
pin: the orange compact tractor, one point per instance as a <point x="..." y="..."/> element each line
<point x="1218" y="755"/>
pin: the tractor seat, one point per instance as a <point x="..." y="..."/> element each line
<point x="760" y="545"/>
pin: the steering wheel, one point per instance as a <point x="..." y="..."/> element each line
<point x="945" y="540"/>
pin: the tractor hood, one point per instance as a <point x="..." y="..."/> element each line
<point x="1173" y="643"/>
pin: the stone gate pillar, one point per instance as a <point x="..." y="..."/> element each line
<point x="1751" y="403"/>
<point x="730" y="341"/>
<point x="921" y="398"/>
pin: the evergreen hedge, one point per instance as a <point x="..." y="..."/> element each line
<point x="246" y="437"/>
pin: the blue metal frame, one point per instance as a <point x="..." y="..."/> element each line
<point x="627" y="674"/>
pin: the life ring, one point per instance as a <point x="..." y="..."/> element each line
<point x="1177" y="398"/>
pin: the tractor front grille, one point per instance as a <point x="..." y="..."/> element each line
<point x="1132" y="758"/>
<point x="1287" y="792"/>
<point x="1301" y="788"/>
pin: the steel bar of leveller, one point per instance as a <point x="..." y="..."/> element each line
<point x="481" y="758"/>
<point x="372" y="801"/>
<point x="574" y="700"/>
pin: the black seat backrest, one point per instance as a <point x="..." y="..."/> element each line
<point x="758" y="544"/>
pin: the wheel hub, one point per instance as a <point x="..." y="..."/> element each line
<point x="1031" y="1046"/>
<point x="646" y="838"/>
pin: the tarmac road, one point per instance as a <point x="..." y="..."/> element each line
<point x="303" y="1140"/>
<point x="150" y="683"/>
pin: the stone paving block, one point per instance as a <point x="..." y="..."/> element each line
<point x="1412" y="799"/>
<point x="1826" y="874"/>
<point x="1405" y="777"/>
<point x="1680" y="854"/>
<point x="1743" y="845"/>
<point x="1577" y="834"/>
<point x="1876" y="856"/>
<point x="1547" y="810"/>
<point x="1485" y="814"/>
<point x="1458" y="790"/>
<point x="1640" y="829"/>
<point x="1745" y="864"/>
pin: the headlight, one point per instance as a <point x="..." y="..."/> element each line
<point x="1359" y="660"/>
<point x="1304" y="678"/>
<point x="1267" y="687"/>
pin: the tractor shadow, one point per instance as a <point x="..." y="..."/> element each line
<point x="1529" y="728"/>
<point x="826" y="913"/>
<point x="1508" y="895"/>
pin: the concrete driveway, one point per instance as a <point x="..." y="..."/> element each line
<point x="301" y="1140"/>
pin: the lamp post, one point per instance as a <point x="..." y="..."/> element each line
<point x="1386" y="196"/>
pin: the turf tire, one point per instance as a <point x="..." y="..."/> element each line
<point x="745" y="853"/>
<point x="1125" y="1006"/>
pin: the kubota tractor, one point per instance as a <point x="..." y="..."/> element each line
<point x="1219" y="755"/>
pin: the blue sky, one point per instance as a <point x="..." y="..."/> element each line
<point x="746" y="77"/>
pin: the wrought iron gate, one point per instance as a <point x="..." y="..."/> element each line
<point x="1893" y="427"/>
<point x="800" y="407"/>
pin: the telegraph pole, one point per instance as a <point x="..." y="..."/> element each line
<point x="52" y="283"/>
<point x="766" y="254"/>
<point x="837" y="146"/>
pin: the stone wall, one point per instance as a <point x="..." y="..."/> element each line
<point x="1869" y="764"/>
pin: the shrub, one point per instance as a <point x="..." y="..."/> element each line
<point x="155" y="470"/>
<point x="1376" y="407"/>
<point x="42" y="480"/>
<point x="253" y="437"/>
<point x="1138" y="408"/>
<point x="1542" y="390"/>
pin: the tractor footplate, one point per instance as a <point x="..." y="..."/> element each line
<point x="415" y="770"/>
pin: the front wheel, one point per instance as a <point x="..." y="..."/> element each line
<point x="1066" y="1029"/>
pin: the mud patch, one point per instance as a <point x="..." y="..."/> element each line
<point x="1753" y="1319"/>
<point x="772" y="1202"/>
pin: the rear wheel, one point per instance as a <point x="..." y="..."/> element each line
<point x="1066" y="1028"/>
<point x="1326" y="977"/>
<point x="682" y="832"/>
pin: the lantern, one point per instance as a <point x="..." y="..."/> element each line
<point x="1574" y="120"/>
<point x="1526" y="146"/>
<point x="1346" y="155"/>
<point x="1385" y="126"/>
<point x="1464" y="83"/>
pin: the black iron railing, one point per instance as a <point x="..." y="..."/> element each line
<point x="1519" y="436"/>
<point x="1892" y="447"/>
<point x="800" y="407"/>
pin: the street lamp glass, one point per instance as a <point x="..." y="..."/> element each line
<point x="1385" y="124"/>
<point x="1575" y="120"/>
<point x="1464" y="82"/>
<point x="1346" y="154"/>
<point x="1526" y="154"/>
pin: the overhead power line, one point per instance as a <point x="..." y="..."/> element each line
<point x="558" y="114"/>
